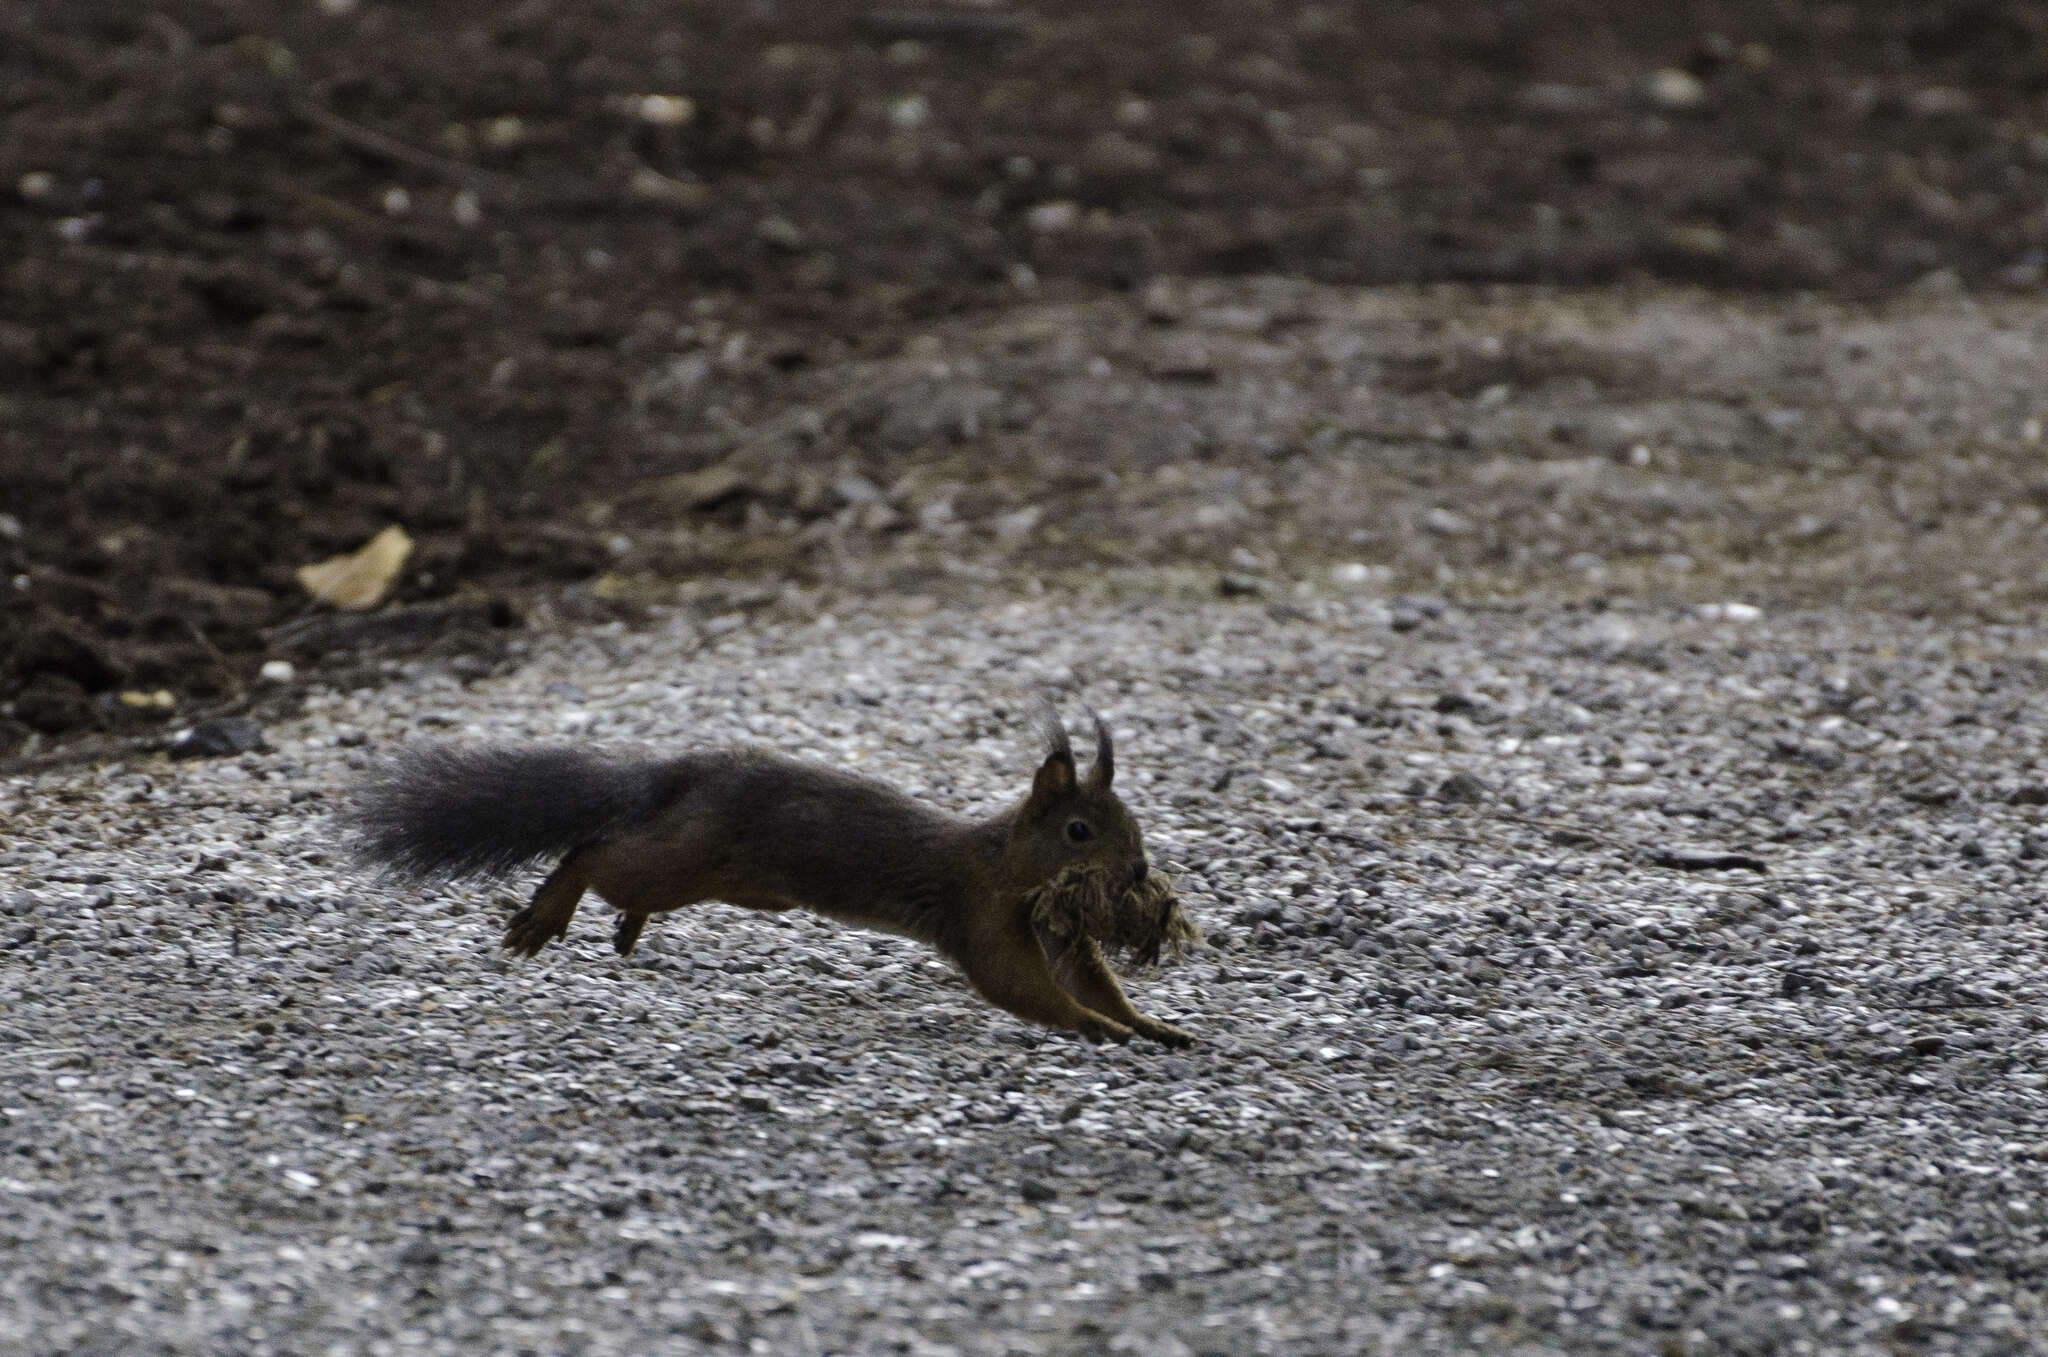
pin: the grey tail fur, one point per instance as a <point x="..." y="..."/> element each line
<point x="440" y="812"/>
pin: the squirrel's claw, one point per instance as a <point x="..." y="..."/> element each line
<point x="1165" y="1033"/>
<point x="1099" y="1029"/>
<point x="526" y="935"/>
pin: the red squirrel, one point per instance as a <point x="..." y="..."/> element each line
<point x="755" y="828"/>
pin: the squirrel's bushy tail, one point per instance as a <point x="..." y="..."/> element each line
<point x="441" y="812"/>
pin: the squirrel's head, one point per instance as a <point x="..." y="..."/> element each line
<point x="1073" y="821"/>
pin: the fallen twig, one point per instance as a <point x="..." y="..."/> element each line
<point x="369" y="140"/>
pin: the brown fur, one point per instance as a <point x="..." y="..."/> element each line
<point x="1019" y="900"/>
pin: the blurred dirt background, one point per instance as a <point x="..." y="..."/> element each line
<point x="596" y="298"/>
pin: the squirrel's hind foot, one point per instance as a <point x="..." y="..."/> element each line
<point x="547" y="916"/>
<point x="529" y="932"/>
<point x="626" y="933"/>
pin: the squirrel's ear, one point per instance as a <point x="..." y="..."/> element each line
<point x="1056" y="775"/>
<point x="1055" y="778"/>
<point x="1104" y="770"/>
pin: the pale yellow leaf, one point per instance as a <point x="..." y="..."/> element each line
<point x="361" y="578"/>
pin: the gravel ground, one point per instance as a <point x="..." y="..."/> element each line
<point x="1632" y="979"/>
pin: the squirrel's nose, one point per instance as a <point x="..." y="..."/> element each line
<point x="1138" y="871"/>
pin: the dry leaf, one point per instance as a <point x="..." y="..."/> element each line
<point x="361" y="578"/>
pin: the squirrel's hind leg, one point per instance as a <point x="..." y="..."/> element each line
<point x="626" y="933"/>
<point x="650" y="872"/>
<point x="554" y="904"/>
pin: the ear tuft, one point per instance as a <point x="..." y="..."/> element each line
<point x="1054" y="731"/>
<point x="1104" y="771"/>
<point x="1056" y="778"/>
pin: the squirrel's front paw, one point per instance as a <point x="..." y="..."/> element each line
<point x="1165" y="1033"/>
<point x="1097" y="1028"/>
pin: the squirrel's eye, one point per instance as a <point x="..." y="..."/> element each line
<point x="1078" y="831"/>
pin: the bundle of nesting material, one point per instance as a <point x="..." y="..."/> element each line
<point x="1135" y="919"/>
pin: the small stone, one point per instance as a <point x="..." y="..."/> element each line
<point x="277" y="671"/>
<point x="503" y="132"/>
<point x="1162" y="303"/>
<point x="1461" y="788"/>
<point x="1446" y="522"/>
<point x="218" y="738"/>
<point x="1675" y="89"/>
<point x="1936" y="101"/>
<point x="697" y="490"/>
<point x="1698" y="238"/>
<point x="1795" y="983"/>
<point x="420" y="1253"/>
<point x="1053" y="218"/>
<point x="1114" y="157"/>
<point x="857" y="490"/>
<point x="1351" y="574"/>
<point x="780" y="232"/>
<point x="1186" y="360"/>
<point x="1036" y="1190"/>
<point x="1017" y="526"/>
<point x="1554" y="99"/>
<point x="664" y="110"/>
<point x="910" y="112"/>
<point x="683" y="195"/>
<point x="1236" y="584"/>
<point x="1930" y="1044"/>
<point x="704" y="1328"/>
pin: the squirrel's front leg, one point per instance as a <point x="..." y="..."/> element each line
<point x="1009" y="968"/>
<point x="1088" y="977"/>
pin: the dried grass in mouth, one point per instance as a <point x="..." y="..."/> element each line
<point x="1135" y="920"/>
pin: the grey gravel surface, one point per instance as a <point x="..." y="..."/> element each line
<point x="1631" y="979"/>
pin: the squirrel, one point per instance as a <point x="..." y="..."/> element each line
<point x="755" y="828"/>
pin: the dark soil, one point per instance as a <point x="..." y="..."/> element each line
<point x="278" y="275"/>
